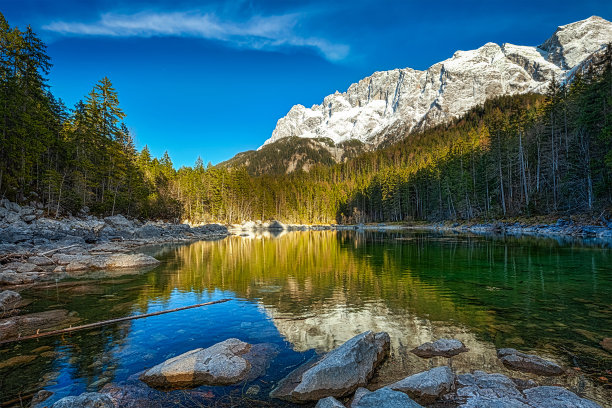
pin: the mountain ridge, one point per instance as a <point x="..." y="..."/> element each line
<point x="401" y="100"/>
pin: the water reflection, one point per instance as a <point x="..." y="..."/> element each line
<point x="315" y="290"/>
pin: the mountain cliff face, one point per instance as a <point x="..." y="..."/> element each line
<point x="391" y="103"/>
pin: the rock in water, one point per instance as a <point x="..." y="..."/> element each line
<point x="86" y="400"/>
<point x="8" y="300"/>
<point x="329" y="402"/>
<point x="339" y="373"/>
<point x="225" y="363"/>
<point x="556" y="397"/>
<point x="607" y="344"/>
<point x="515" y="360"/>
<point x="427" y="386"/>
<point x="441" y="347"/>
<point x="385" y="398"/>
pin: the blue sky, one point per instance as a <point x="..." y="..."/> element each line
<point x="211" y="78"/>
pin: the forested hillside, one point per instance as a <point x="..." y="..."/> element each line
<point x="522" y="155"/>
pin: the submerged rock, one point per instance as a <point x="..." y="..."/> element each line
<point x="339" y="373"/>
<point x="17" y="326"/>
<point x="515" y="360"/>
<point x="607" y="344"/>
<point x="225" y="363"/>
<point x="441" y="347"/>
<point x="384" y="398"/>
<point x="86" y="400"/>
<point x="8" y="300"/>
<point x="427" y="386"/>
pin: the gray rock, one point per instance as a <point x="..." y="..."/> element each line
<point x="556" y="397"/>
<point x="385" y="398"/>
<point x="329" y="402"/>
<point x="8" y="300"/>
<point x="515" y="360"/>
<point x="40" y="260"/>
<point x="119" y="222"/>
<point x="221" y="364"/>
<point x="337" y="374"/>
<point x="149" y="231"/>
<point x="118" y="261"/>
<point x="28" y="218"/>
<point x="86" y="400"/>
<point x="24" y="267"/>
<point x="358" y="394"/>
<point x="427" y="386"/>
<point x="441" y="347"/>
<point x="10" y="277"/>
<point x="481" y="389"/>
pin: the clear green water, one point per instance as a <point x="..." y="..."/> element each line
<point x="309" y="292"/>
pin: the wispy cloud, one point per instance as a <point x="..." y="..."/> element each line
<point x="258" y="32"/>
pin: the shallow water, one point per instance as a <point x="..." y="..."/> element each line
<point x="308" y="292"/>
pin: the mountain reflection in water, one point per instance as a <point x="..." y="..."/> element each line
<point x="315" y="290"/>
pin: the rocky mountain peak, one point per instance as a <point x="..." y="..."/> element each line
<point x="570" y="43"/>
<point x="389" y="104"/>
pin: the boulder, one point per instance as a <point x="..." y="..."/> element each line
<point x="556" y="397"/>
<point x="529" y="363"/>
<point x="339" y="373"/>
<point x="480" y="389"/>
<point x="225" y="363"/>
<point x="427" y="386"/>
<point x="441" y="347"/>
<point x="329" y="402"/>
<point x="385" y="398"/>
<point x="118" y="261"/>
<point x="276" y="225"/>
<point x="10" y="277"/>
<point x="119" y="222"/>
<point x="8" y="300"/>
<point x="86" y="400"/>
<point x="40" y="260"/>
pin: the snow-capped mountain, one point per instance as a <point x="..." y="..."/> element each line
<point x="402" y="100"/>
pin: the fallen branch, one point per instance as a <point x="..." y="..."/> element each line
<point x="105" y="322"/>
<point x="57" y="249"/>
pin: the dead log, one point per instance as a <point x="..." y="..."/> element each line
<point x="105" y="322"/>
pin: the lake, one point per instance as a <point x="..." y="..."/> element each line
<point x="308" y="292"/>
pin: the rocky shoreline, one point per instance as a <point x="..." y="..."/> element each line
<point x="36" y="248"/>
<point x="340" y="379"/>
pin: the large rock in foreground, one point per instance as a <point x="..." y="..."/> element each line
<point x="427" y="386"/>
<point x="441" y="347"/>
<point x="87" y="400"/>
<point x="480" y="389"/>
<point x="556" y="397"/>
<point x="339" y="373"/>
<point x="384" y="398"/>
<point x="225" y="363"/>
<point x="515" y="360"/>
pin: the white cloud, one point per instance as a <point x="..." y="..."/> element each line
<point x="258" y="32"/>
